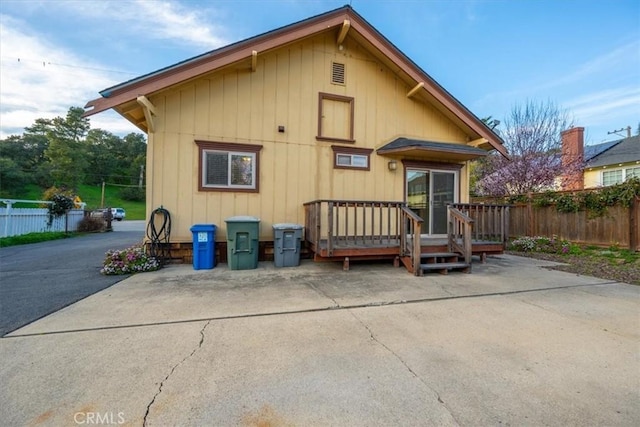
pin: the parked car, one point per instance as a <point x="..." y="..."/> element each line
<point x="118" y="214"/>
<point x="97" y="213"/>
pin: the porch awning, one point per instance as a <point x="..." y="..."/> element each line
<point x="417" y="148"/>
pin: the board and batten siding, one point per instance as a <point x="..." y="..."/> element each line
<point x="239" y="106"/>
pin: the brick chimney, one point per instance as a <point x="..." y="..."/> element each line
<point x="572" y="158"/>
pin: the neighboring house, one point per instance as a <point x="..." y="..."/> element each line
<point x="605" y="164"/>
<point x="323" y="109"/>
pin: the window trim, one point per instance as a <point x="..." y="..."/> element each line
<point x="365" y="152"/>
<point x="341" y="98"/>
<point x="627" y="169"/>
<point x="229" y="148"/>
<point x="624" y="174"/>
<point x="612" y="171"/>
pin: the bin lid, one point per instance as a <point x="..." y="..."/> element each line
<point x="203" y="227"/>
<point x="242" y="218"/>
<point x="287" y="226"/>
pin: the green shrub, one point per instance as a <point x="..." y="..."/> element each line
<point x="90" y="224"/>
<point x="133" y="194"/>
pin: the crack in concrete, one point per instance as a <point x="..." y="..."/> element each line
<point x="406" y="365"/>
<point x="308" y="310"/>
<point x="315" y="288"/>
<point x="198" y="347"/>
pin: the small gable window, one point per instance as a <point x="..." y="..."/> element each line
<point x="228" y="166"/>
<point x="351" y="158"/>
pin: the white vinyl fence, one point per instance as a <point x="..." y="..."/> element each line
<point x="18" y="221"/>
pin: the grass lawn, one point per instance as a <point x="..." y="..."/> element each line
<point x="34" y="238"/>
<point x="92" y="196"/>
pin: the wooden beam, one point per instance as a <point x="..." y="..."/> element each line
<point x="149" y="111"/>
<point x="478" y="142"/>
<point x="144" y="101"/>
<point x="343" y="31"/>
<point x="254" y="60"/>
<point x="415" y="89"/>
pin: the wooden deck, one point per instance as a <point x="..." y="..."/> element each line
<point x="338" y="230"/>
<point x="390" y="248"/>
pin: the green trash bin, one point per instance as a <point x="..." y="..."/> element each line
<point x="242" y="242"/>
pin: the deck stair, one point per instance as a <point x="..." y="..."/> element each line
<point x="443" y="262"/>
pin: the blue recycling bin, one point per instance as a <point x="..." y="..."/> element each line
<point x="204" y="245"/>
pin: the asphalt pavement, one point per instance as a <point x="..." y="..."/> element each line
<point x="40" y="278"/>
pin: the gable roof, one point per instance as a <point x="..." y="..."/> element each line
<point x="123" y="97"/>
<point x="591" y="151"/>
<point x="621" y="151"/>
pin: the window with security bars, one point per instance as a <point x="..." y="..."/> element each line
<point x="228" y="169"/>
<point x="228" y="166"/>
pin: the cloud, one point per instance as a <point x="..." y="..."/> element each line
<point x="42" y="78"/>
<point x="31" y="89"/>
<point x="620" y="63"/>
<point x="605" y="106"/>
<point x="172" y="21"/>
<point x="161" y="20"/>
<point x="617" y="59"/>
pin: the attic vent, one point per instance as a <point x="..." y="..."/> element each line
<point x="337" y="73"/>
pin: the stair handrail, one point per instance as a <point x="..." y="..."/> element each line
<point x="411" y="225"/>
<point x="459" y="232"/>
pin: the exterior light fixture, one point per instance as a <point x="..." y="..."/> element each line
<point x="393" y="165"/>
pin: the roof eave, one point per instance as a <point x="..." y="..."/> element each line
<point x="437" y="153"/>
<point x="242" y="50"/>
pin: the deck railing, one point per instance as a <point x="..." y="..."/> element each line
<point x="410" y="240"/>
<point x="490" y="222"/>
<point x="352" y="222"/>
<point x="459" y="231"/>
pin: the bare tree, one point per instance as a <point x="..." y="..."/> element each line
<point x="532" y="137"/>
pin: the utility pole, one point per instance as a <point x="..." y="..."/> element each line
<point x="628" y="129"/>
<point x="141" y="177"/>
<point x="102" y="199"/>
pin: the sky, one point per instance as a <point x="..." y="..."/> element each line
<point x="583" y="55"/>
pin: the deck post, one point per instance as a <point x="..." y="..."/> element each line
<point x="330" y="233"/>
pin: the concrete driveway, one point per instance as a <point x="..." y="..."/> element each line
<point x="513" y="343"/>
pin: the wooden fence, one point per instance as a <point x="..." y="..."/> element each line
<point x="618" y="226"/>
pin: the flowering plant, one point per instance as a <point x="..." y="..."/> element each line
<point x="552" y="245"/>
<point x="128" y="261"/>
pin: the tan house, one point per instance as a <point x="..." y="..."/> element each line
<point x="604" y="164"/>
<point x="323" y="123"/>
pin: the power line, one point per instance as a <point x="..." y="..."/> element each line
<point x="45" y="63"/>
